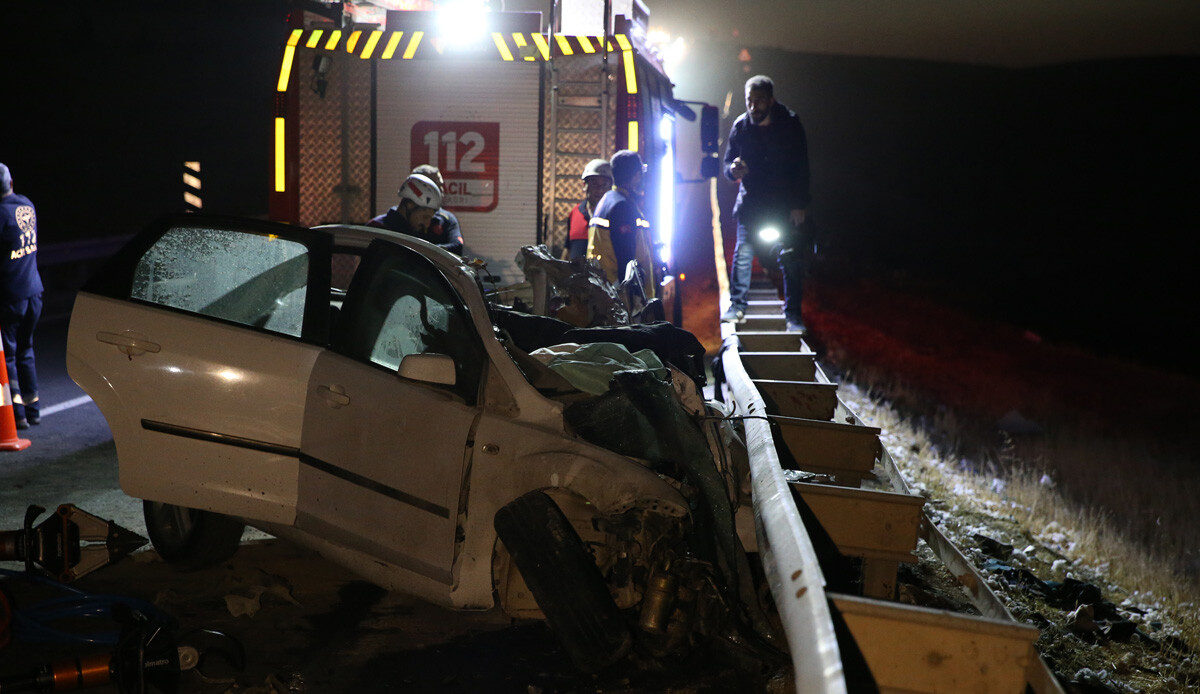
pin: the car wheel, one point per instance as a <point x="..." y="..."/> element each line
<point x="564" y="580"/>
<point x="190" y="538"/>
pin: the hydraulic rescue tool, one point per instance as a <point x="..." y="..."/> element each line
<point x="147" y="658"/>
<point x="68" y="544"/>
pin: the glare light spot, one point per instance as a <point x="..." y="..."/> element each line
<point x="231" y="375"/>
<point x="671" y="50"/>
<point x="666" y="191"/>
<point x="770" y="234"/>
<point x="462" y="22"/>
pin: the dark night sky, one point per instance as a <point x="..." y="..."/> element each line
<point x="1013" y="33"/>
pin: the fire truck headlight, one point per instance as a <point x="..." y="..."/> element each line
<point x="769" y="234"/>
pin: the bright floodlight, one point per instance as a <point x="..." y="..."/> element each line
<point x="666" y="188"/>
<point x="769" y="234"/>
<point x="462" y="22"/>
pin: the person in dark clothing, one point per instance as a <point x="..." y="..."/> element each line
<point x="443" y="230"/>
<point x="618" y="231"/>
<point x="597" y="180"/>
<point x="20" y="298"/>
<point x="767" y="153"/>
<point x="420" y="201"/>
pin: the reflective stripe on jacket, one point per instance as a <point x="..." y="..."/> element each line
<point x="618" y="233"/>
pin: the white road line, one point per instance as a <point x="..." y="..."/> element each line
<point x="76" y="402"/>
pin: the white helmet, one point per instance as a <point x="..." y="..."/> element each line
<point x="422" y="191"/>
<point x="597" y="167"/>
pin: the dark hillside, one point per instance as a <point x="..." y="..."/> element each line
<point x="1057" y="199"/>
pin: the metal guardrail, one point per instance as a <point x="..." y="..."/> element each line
<point x="789" y="559"/>
<point x="67" y="265"/>
<point x="87" y="250"/>
<point x="793" y="573"/>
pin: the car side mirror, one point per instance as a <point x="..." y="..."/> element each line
<point x="428" y="368"/>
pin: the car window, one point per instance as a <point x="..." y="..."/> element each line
<point x="248" y="278"/>
<point x="400" y="305"/>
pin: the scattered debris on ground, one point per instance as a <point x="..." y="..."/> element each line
<point x="1097" y="637"/>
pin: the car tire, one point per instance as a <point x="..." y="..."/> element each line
<point x="189" y="538"/>
<point x="564" y="580"/>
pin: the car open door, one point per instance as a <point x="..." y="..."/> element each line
<point x="390" y="412"/>
<point x="196" y="341"/>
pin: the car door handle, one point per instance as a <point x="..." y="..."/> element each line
<point x="129" y="344"/>
<point x="335" y="395"/>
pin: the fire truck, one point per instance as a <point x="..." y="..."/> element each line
<point x="510" y="106"/>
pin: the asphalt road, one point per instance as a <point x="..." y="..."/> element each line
<point x="305" y="625"/>
<point x="70" y="457"/>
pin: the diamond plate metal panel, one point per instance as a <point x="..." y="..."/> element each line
<point x="579" y="143"/>
<point x="579" y="118"/>
<point x="579" y="139"/>
<point x="583" y="67"/>
<point x="335" y="141"/>
<point x="570" y="168"/>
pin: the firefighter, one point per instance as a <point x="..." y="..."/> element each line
<point x="618" y="231"/>
<point x="443" y="228"/>
<point x="20" y="298"/>
<point x="597" y="180"/>
<point x="420" y="199"/>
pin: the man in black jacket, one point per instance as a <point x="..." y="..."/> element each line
<point x="767" y="153"/>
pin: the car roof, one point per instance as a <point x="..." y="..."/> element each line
<point x="359" y="236"/>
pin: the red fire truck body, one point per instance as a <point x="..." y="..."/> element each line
<point x="510" y="115"/>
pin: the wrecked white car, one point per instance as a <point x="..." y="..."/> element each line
<point x="353" y="390"/>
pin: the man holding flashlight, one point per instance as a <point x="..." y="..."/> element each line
<point x="767" y="153"/>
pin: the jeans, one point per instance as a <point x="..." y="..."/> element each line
<point x="786" y="253"/>
<point x="17" y="323"/>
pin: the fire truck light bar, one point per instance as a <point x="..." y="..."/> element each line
<point x="372" y="42"/>
<point x="519" y="40"/>
<point x="289" y="54"/>
<point x="542" y="46"/>
<point x="510" y="46"/>
<point x="627" y="59"/>
<point x="393" y="42"/>
<point x="280" y="159"/>
<point x="412" y="44"/>
<point x="502" y="46"/>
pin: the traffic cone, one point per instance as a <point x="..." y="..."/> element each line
<point x="9" y="441"/>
